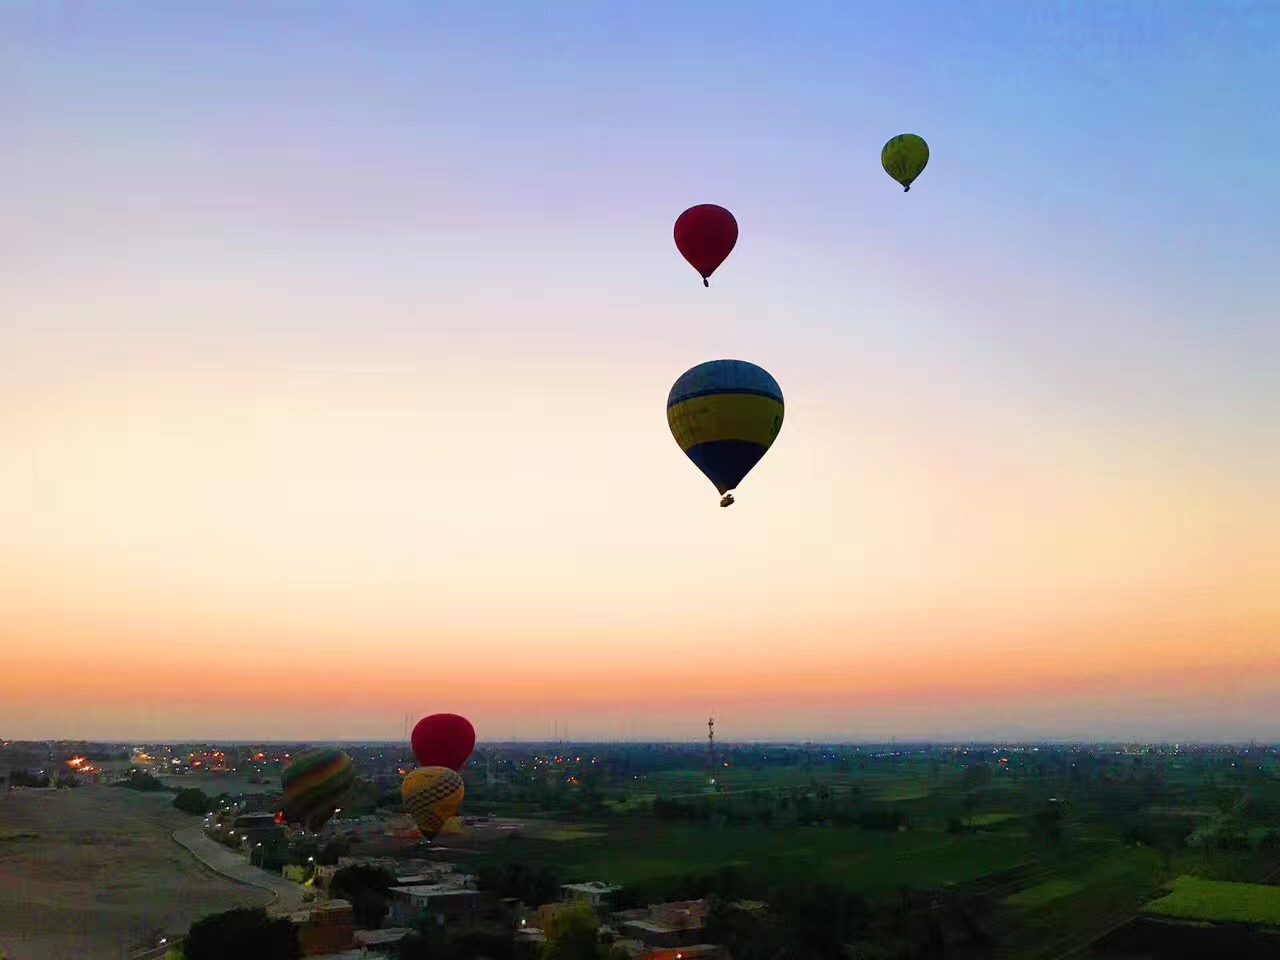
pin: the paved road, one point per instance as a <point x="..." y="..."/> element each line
<point x="288" y="895"/>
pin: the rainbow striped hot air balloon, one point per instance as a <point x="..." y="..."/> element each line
<point x="316" y="784"/>
<point x="432" y="795"/>
<point x="725" y="414"/>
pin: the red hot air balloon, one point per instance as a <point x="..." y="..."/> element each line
<point x="443" y="740"/>
<point x="705" y="235"/>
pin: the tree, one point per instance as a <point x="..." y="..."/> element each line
<point x="572" y="934"/>
<point x="246" y="934"/>
<point x="193" y="800"/>
<point x="366" y="888"/>
<point x="332" y="851"/>
<point x="145" y="782"/>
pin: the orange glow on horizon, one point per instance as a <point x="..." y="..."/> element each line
<point x="323" y="558"/>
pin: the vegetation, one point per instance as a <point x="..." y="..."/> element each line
<point x="24" y="778"/>
<point x="193" y="800"/>
<point x="144" y="782"/>
<point x="246" y="934"/>
<point x="1217" y="901"/>
<point x="574" y="934"/>
<point x="429" y="941"/>
<point x="366" y="888"/>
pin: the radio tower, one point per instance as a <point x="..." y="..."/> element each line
<point x="711" y="746"/>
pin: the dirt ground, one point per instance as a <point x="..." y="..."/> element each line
<point x="93" y="872"/>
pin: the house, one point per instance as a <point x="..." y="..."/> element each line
<point x="679" y="924"/>
<point x="449" y="904"/>
<point x="593" y="892"/>
<point x="326" y="929"/>
<point x="696" y="951"/>
<point x="386" y="941"/>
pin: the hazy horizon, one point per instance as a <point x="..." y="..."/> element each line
<point x="335" y="341"/>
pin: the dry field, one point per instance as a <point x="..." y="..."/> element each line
<point x="93" y="872"/>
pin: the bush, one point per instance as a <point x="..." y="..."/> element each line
<point x="145" y="782"/>
<point x="21" y="778"/>
<point x="246" y="934"/>
<point x="366" y="887"/>
<point x="193" y="800"/>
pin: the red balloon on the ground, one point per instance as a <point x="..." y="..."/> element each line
<point x="443" y="740"/>
<point x="705" y="235"/>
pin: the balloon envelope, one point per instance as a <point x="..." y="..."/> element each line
<point x="443" y="740"/>
<point x="904" y="158"/>
<point x="725" y="414"/>
<point x="705" y="236"/>
<point x="432" y="795"/>
<point x="316" y="783"/>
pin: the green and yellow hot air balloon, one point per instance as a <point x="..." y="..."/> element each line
<point x="432" y="795"/>
<point x="904" y="158"/>
<point x="725" y="414"/>
<point x="316" y="783"/>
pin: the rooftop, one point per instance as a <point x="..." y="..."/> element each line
<point x="590" y="886"/>
<point x="371" y="938"/>
<point x="435" y="890"/>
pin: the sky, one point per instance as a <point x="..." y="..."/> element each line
<point x="335" y="341"/>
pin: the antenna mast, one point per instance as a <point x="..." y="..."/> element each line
<point x="711" y="746"/>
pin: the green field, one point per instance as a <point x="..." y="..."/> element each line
<point x="1219" y="901"/>
<point x="1043" y="893"/>
<point x="874" y="863"/>
<point x="991" y="819"/>
<point x="1059" y="859"/>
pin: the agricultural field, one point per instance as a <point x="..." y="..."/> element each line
<point x="1062" y="854"/>
<point x="1218" y="901"/>
<point x="874" y="863"/>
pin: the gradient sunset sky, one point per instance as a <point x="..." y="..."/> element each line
<point x="335" y="340"/>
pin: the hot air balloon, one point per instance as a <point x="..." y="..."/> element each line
<point x="454" y="825"/>
<point x="432" y="795"/>
<point x="705" y="235"/>
<point x="443" y="740"/>
<point x="904" y="158"/>
<point x="725" y="414"/>
<point x="315" y="785"/>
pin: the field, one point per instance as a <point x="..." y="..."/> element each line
<point x="92" y="872"/>
<point x="216" y="783"/>
<point x="1050" y="896"/>
<point x="1219" y="901"/>
<point x="875" y="863"/>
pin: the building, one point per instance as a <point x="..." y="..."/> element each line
<point x="449" y="904"/>
<point x="326" y="929"/>
<point x="593" y="892"/>
<point x="381" y="942"/>
<point x="696" y="951"/>
<point x="664" y="925"/>
<point x="249" y="821"/>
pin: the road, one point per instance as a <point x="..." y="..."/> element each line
<point x="288" y="895"/>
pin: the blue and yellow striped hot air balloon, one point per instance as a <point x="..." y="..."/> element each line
<point x="725" y="414"/>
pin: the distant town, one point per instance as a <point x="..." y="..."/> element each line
<point x="667" y="851"/>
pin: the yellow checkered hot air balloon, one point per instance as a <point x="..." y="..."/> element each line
<point x="904" y="158"/>
<point x="432" y="795"/>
